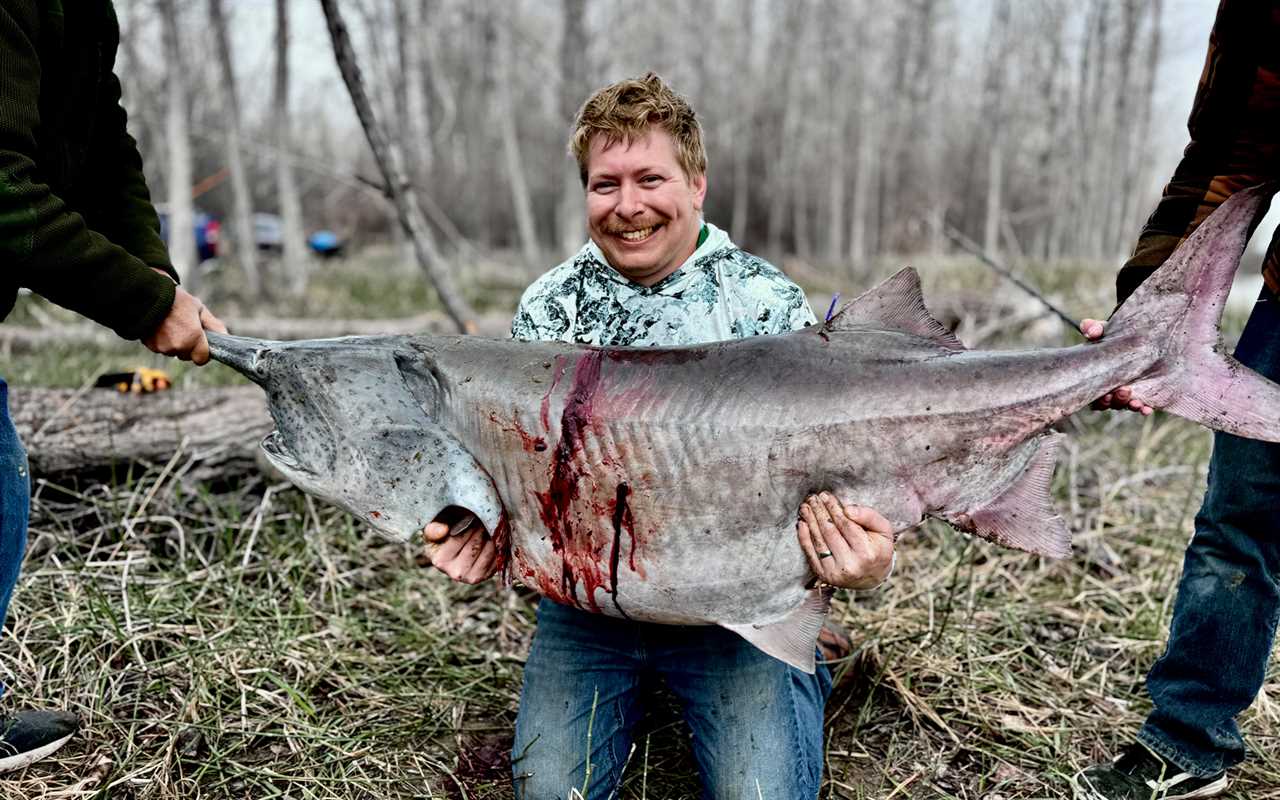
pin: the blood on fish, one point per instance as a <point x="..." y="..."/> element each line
<point x="653" y="355"/>
<point x="502" y="546"/>
<point x="579" y="561"/>
<point x="530" y="443"/>
<point x="621" y="519"/>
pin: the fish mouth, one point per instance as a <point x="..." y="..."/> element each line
<point x="273" y="444"/>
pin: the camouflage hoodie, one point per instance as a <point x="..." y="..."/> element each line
<point x="719" y="292"/>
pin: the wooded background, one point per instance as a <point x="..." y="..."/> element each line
<point x="837" y="130"/>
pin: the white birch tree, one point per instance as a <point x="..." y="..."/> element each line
<point x="246" y="250"/>
<point x="293" y="240"/>
<point x="181" y="210"/>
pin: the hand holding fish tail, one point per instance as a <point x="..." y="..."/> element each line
<point x="848" y="546"/>
<point x="462" y="550"/>
<point x="1118" y="399"/>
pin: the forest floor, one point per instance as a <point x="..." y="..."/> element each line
<point x="244" y="641"/>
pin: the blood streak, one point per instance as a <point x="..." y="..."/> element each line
<point x="621" y="519"/>
<point x="502" y="547"/>
<point x="570" y="538"/>
<point x="529" y="442"/>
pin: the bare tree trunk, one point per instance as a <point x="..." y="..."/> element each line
<point x="505" y="109"/>
<point x="865" y="202"/>
<point x="389" y="164"/>
<point x="746" y="116"/>
<point x="1140" y="158"/>
<point x="1091" y="170"/>
<point x="1119" y="155"/>
<point x="181" y="222"/>
<point x="145" y="124"/>
<point x="1055" y="157"/>
<point x="837" y="137"/>
<point x="995" y="197"/>
<point x="293" y="244"/>
<point x="406" y="80"/>
<point x="741" y="185"/>
<point x="993" y="116"/>
<point x="246" y="249"/>
<point x="784" y="121"/>
<point x="573" y="76"/>
<point x="801" y="214"/>
<point x="434" y="81"/>
<point x="418" y="99"/>
<point x="862" y="209"/>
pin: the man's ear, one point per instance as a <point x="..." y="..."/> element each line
<point x="698" y="183"/>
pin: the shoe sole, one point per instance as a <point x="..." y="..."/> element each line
<point x="1209" y="790"/>
<point x="21" y="760"/>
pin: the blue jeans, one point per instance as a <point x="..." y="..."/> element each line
<point x="756" y="722"/>
<point x="15" y="500"/>
<point x="1224" y="618"/>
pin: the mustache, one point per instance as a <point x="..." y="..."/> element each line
<point x="619" y="229"/>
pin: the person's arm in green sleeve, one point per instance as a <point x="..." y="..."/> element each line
<point x="44" y="245"/>
<point x="123" y="211"/>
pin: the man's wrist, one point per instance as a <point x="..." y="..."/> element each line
<point x="168" y="273"/>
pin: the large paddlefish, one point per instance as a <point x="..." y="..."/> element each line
<point x="663" y="484"/>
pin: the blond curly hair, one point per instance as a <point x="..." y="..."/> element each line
<point x="624" y="111"/>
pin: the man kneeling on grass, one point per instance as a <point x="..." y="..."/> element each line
<point x="654" y="274"/>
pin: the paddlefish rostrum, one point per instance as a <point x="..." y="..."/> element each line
<point x="663" y="484"/>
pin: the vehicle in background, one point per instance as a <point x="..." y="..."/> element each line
<point x="268" y="234"/>
<point x="208" y="231"/>
<point x="325" y="244"/>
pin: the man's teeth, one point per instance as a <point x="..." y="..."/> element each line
<point x="635" y="236"/>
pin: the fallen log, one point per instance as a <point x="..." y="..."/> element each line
<point x="212" y="432"/>
<point x="15" y="338"/>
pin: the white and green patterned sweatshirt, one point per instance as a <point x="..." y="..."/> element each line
<point x="719" y="292"/>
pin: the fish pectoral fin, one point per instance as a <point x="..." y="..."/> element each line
<point x="1023" y="516"/>
<point x="794" y="638"/>
<point x="897" y="304"/>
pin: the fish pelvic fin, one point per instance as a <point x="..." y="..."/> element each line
<point x="1022" y="516"/>
<point x="897" y="304"/>
<point x="1181" y="305"/>
<point x="794" y="638"/>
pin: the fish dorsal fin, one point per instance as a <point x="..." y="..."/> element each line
<point x="794" y="638"/>
<point x="895" y="305"/>
<point x="1022" y="516"/>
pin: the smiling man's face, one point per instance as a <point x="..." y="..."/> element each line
<point x="642" y="210"/>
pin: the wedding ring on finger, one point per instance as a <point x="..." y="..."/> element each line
<point x="823" y="555"/>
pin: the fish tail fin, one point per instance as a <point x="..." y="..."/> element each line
<point x="1181" y="305"/>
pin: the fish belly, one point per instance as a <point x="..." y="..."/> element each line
<point x="677" y="526"/>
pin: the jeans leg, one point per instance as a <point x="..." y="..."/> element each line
<point x="15" y="498"/>
<point x="756" y="722"/>
<point x="581" y="683"/>
<point x="1224" y="617"/>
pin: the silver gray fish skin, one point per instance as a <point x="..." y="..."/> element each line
<point x="663" y="484"/>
